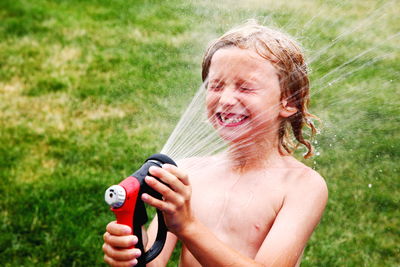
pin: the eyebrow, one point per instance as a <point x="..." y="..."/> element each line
<point x="215" y="81"/>
<point x="248" y="82"/>
<point x="252" y="80"/>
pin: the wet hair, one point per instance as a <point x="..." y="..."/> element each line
<point x="287" y="57"/>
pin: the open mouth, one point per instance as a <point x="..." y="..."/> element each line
<point x="231" y="119"/>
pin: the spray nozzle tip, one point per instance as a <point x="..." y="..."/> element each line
<point x="115" y="196"/>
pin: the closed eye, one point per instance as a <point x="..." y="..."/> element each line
<point x="246" y="89"/>
<point x="245" y="86"/>
<point x="216" y="87"/>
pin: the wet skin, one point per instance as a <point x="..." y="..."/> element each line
<point x="250" y="206"/>
<point x="242" y="87"/>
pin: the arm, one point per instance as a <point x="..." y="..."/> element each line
<point x="300" y="213"/>
<point x="163" y="257"/>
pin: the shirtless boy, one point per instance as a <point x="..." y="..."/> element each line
<point x="259" y="206"/>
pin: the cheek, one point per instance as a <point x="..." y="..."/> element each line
<point x="272" y="100"/>
<point x="211" y="102"/>
<point x="265" y="111"/>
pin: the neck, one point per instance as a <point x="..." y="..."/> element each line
<point x="253" y="154"/>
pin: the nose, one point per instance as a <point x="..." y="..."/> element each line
<point x="228" y="97"/>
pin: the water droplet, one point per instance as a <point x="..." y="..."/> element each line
<point x="318" y="153"/>
<point x="330" y="84"/>
<point x="369" y="185"/>
<point x="330" y="145"/>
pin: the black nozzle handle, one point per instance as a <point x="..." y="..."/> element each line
<point x="158" y="244"/>
<point x="140" y="217"/>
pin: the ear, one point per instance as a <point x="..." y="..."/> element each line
<point x="286" y="109"/>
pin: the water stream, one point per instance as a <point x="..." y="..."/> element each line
<point x="194" y="135"/>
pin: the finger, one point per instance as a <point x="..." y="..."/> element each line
<point x="121" y="254"/>
<point x="156" y="203"/>
<point x="115" y="228"/>
<point x="167" y="178"/>
<point x="183" y="176"/>
<point x="120" y="241"/>
<point x="161" y="188"/>
<point x="115" y="263"/>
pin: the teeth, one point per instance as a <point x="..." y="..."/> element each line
<point x="232" y="120"/>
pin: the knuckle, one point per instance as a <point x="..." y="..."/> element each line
<point x="111" y="253"/>
<point x="108" y="260"/>
<point x="172" y="209"/>
<point x="110" y="226"/>
<point x="180" y="201"/>
<point x="166" y="179"/>
<point x="150" y="201"/>
<point x="187" y="194"/>
<point x="106" y="237"/>
<point x="127" y="241"/>
<point x="162" y="206"/>
<point x="174" y="178"/>
<point x="111" y="241"/>
<point x="164" y="190"/>
<point x="170" y="195"/>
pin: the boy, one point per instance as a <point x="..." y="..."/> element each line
<point x="254" y="205"/>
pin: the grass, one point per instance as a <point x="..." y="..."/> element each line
<point x="88" y="89"/>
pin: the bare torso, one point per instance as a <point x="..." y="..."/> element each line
<point x="239" y="207"/>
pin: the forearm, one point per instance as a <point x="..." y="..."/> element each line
<point x="162" y="259"/>
<point x="209" y="250"/>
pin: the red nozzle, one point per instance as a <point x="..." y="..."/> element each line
<point x="123" y="205"/>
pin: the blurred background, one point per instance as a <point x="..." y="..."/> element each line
<point x="89" y="89"/>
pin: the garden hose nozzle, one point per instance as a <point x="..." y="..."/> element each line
<point x="129" y="209"/>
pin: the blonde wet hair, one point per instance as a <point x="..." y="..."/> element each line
<point x="287" y="57"/>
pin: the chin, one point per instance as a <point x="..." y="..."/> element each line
<point x="235" y="136"/>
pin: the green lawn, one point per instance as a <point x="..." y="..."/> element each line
<point x="89" y="89"/>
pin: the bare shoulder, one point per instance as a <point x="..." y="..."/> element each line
<point x="186" y="162"/>
<point x="306" y="182"/>
<point x="193" y="162"/>
<point x="195" y="165"/>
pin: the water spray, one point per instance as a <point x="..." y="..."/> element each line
<point x="129" y="209"/>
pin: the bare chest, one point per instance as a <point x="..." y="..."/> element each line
<point x="238" y="211"/>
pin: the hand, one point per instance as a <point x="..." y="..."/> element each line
<point x="117" y="242"/>
<point x="175" y="204"/>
